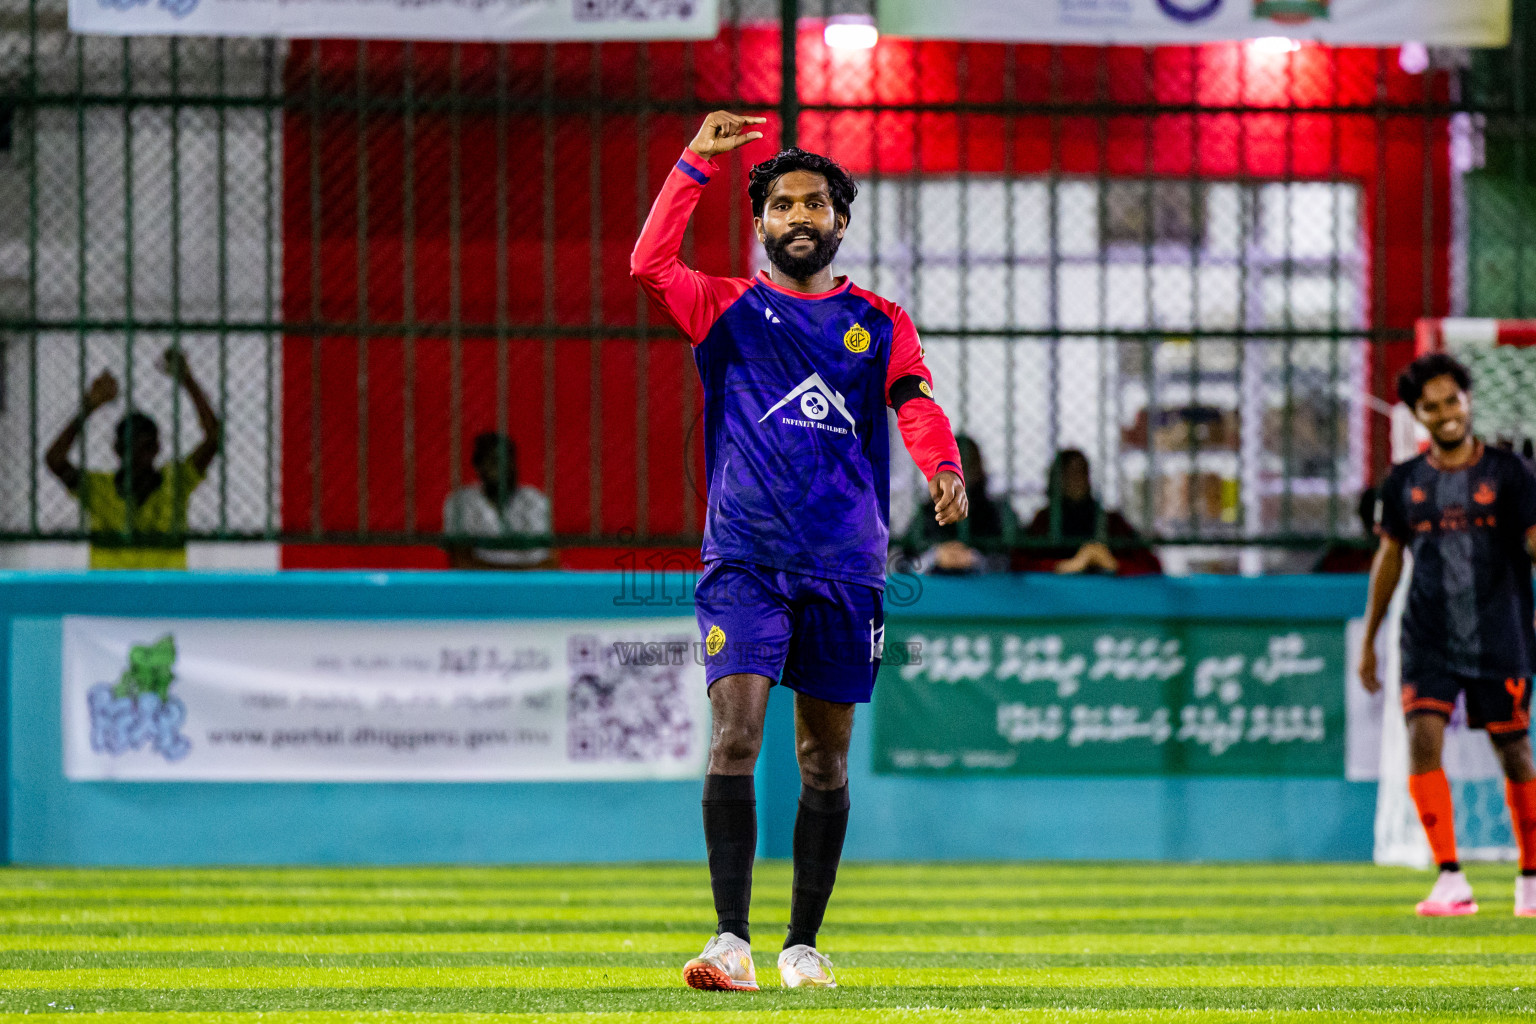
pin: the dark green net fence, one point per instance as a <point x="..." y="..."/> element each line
<point x="1200" y="266"/>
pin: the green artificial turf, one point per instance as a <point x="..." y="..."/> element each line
<point x="960" y="943"/>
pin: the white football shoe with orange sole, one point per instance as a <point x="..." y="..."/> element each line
<point x="803" y="967"/>
<point x="1451" y="897"/>
<point x="1525" y="896"/>
<point x="724" y="966"/>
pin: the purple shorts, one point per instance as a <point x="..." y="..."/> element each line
<point x="819" y="637"/>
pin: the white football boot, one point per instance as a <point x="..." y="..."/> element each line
<point x="802" y="967"/>
<point x="1451" y="897"/>
<point x="1525" y="896"/>
<point x="724" y="966"/>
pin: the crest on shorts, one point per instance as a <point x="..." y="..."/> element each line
<point x="856" y="340"/>
<point x="714" y="641"/>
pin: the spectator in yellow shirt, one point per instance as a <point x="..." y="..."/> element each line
<point x="143" y="504"/>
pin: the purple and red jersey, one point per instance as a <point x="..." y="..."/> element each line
<point x="796" y="386"/>
<point x="1469" y="600"/>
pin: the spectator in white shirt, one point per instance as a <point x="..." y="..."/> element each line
<point x="494" y="508"/>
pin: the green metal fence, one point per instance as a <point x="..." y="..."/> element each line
<point x="1199" y="266"/>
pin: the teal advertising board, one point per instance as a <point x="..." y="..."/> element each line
<point x="1182" y="815"/>
<point x="1142" y="698"/>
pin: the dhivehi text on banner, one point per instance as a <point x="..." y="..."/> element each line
<point x="1140" y="699"/>
<point x="483" y="20"/>
<point x="1357" y="22"/>
<point x="276" y="700"/>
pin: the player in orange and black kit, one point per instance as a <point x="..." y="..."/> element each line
<point x="1468" y="514"/>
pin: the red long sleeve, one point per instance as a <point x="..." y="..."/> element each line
<point x="924" y="427"/>
<point x="692" y="300"/>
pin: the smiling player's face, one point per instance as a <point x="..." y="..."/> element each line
<point x="1444" y="411"/>
<point x="799" y="228"/>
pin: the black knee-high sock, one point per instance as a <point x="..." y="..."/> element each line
<point x="730" y="834"/>
<point x="820" y="826"/>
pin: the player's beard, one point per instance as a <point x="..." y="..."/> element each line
<point x="802" y="268"/>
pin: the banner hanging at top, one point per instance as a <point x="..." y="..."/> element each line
<point x="1347" y="22"/>
<point x="482" y="20"/>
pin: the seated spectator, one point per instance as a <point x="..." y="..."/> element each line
<point x="1343" y="556"/>
<point x="947" y="549"/>
<point x="1081" y="530"/>
<point x="496" y="508"/>
<point x="143" y="503"/>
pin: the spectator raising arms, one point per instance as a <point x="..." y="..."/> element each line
<point x="496" y="508"/>
<point x="144" y="505"/>
<point x="1081" y="529"/>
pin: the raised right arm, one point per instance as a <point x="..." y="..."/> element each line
<point x="102" y="390"/>
<point x="692" y="300"/>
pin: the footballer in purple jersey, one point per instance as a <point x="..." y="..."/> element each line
<point x="1467" y="513"/>
<point x="798" y="369"/>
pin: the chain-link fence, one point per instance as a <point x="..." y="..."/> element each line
<point x="1199" y="266"/>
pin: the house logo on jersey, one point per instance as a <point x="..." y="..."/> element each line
<point x="1485" y="494"/>
<point x="817" y="401"/>
<point x="856" y="340"/>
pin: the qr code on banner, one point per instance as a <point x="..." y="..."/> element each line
<point x="621" y="709"/>
<point x="633" y="10"/>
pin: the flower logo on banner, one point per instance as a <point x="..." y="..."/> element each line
<point x="138" y="709"/>
<point x="1189" y="11"/>
<point x="176" y="8"/>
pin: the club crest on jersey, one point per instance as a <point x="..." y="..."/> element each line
<point x="714" y="641"/>
<point x="1417" y="495"/>
<point x="856" y="340"/>
<point x="1485" y="494"/>
<point x="816" y="401"/>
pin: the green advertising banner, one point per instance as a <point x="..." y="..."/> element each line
<point x="1044" y="698"/>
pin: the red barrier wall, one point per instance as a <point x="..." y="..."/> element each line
<point x="603" y="423"/>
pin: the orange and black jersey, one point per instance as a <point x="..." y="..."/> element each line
<point x="1469" y="601"/>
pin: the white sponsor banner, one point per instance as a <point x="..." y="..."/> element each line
<point x="485" y="20"/>
<point x="1359" y="22"/>
<point x="278" y="700"/>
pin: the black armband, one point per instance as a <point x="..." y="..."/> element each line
<point x="904" y="389"/>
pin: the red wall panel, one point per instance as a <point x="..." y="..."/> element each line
<point x="416" y="187"/>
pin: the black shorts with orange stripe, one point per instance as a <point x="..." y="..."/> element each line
<point x="1501" y="706"/>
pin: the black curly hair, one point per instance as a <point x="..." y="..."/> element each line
<point x="1410" y="383"/>
<point x="839" y="182"/>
